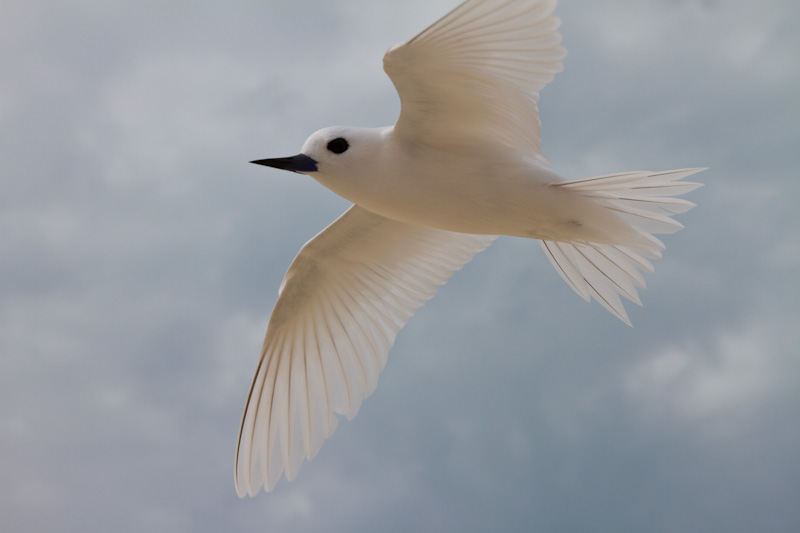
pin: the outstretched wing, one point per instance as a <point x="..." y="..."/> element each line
<point x="343" y="300"/>
<point x="476" y="73"/>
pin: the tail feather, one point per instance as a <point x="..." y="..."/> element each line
<point x="605" y="271"/>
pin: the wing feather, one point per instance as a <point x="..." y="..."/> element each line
<point x="343" y="300"/>
<point x="476" y="73"/>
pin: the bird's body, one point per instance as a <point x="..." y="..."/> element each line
<point x="476" y="186"/>
<point x="480" y="189"/>
<point x="462" y="165"/>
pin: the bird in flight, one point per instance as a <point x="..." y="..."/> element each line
<point x="462" y="165"/>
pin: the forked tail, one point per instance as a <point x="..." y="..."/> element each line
<point x="645" y="201"/>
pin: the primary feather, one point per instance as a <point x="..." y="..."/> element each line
<point x="343" y="300"/>
<point x="477" y="72"/>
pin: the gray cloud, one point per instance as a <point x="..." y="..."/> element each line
<point x="140" y="256"/>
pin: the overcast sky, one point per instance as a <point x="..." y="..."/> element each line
<point x="140" y="257"/>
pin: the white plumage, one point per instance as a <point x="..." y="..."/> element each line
<point x="346" y="295"/>
<point x="462" y="164"/>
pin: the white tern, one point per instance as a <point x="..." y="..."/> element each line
<point x="462" y="165"/>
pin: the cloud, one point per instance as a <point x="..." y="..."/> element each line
<point x="692" y="384"/>
<point x="140" y="256"/>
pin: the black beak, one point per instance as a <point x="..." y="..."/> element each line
<point x="299" y="163"/>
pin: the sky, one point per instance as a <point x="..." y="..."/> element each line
<point x="140" y="257"/>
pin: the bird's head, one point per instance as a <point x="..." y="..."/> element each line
<point x="333" y="151"/>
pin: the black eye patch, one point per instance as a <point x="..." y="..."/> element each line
<point x="338" y="145"/>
